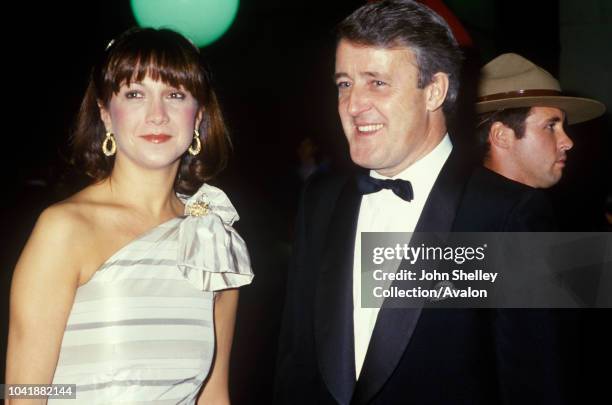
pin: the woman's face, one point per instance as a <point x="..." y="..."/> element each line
<point x="153" y="122"/>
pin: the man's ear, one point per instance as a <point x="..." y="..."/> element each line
<point x="436" y="91"/>
<point x="105" y="116"/>
<point x="501" y="136"/>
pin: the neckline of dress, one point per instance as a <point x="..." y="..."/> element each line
<point x="185" y="199"/>
<point x="131" y="242"/>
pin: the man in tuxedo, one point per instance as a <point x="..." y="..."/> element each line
<point x="397" y="66"/>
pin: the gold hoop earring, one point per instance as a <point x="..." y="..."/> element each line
<point x="109" y="151"/>
<point x="194" y="150"/>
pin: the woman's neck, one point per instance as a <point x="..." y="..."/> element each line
<point x="149" y="192"/>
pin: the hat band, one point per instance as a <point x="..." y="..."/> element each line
<point x="519" y="94"/>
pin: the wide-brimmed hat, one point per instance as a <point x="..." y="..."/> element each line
<point x="511" y="81"/>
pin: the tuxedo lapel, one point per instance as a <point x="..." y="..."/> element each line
<point x="395" y="326"/>
<point x="393" y="330"/>
<point x="440" y="209"/>
<point x="334" y="336"/>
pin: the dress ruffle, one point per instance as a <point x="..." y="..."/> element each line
<point x="211" y="254"/>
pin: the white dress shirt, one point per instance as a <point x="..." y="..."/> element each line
<point x="384" y="211"/>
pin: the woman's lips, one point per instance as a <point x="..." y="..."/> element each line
<point x="156" y="138"/>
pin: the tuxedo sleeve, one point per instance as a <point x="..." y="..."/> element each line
<point x="295" y="362"/>
<point x="297" y="379"/>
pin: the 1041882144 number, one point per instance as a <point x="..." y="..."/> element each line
<point x="36" y="391"/>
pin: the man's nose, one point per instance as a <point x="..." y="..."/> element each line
<point x="565" y="142"/>
<point x="358" y="101"/>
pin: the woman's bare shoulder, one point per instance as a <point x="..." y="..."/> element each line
<point x="66" y="230"/>
<point x="69" y="217"/>
<point x="52" y="256"/>
<point x="89" y="227"/>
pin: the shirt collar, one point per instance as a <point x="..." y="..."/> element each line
<point x="427" y="167"/>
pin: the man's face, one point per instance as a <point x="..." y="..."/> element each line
<point x="384" y="115"/>
<point x="540" y="155"/>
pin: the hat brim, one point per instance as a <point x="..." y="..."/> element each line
<point x="576" y="109"/>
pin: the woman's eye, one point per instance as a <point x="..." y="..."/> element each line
<point x="343" y="85"/>
<point x="179" y="95"/>
<point x="132" y="94"/>
<point x="379" y="83"/>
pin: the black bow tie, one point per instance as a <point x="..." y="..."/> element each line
<point x="401" y="188"/>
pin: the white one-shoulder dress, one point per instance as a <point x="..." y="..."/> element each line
<point x="142" y="329"/>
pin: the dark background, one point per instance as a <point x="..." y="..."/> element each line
<point x="273" y="74"/>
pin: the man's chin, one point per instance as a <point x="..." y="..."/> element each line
<point x="547" y="183"/>
<point x="363" y="158"/>
<point x="364" y="163"/>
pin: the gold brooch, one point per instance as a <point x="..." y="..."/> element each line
<point x="198" y="209"/>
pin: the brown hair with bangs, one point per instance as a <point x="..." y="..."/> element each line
<point x="161" y="55"/>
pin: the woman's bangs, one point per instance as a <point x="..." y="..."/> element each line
<point x="172" y="69"/>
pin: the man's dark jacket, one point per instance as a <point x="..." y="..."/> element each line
<point x="415" y="356"/>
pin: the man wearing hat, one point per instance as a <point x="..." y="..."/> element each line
<point x="522" y="112"/>
<point x="520" y="128"/>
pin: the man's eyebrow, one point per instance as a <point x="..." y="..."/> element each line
<point x="371" y="74"/>
<point x="554" y="119"/>
<point x="340" y="75"/>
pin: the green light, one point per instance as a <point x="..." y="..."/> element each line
<point x="202" y="21"/>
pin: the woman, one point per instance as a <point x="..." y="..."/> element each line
<point x="128" y="288"/>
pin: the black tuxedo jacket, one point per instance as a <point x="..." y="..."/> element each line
<point x="415" y="356"/>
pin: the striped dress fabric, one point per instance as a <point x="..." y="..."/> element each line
<point x="141" y="331"/>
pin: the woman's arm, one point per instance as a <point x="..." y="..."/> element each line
<point x="216" y="390"/>
<point x="42" y="293"/>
